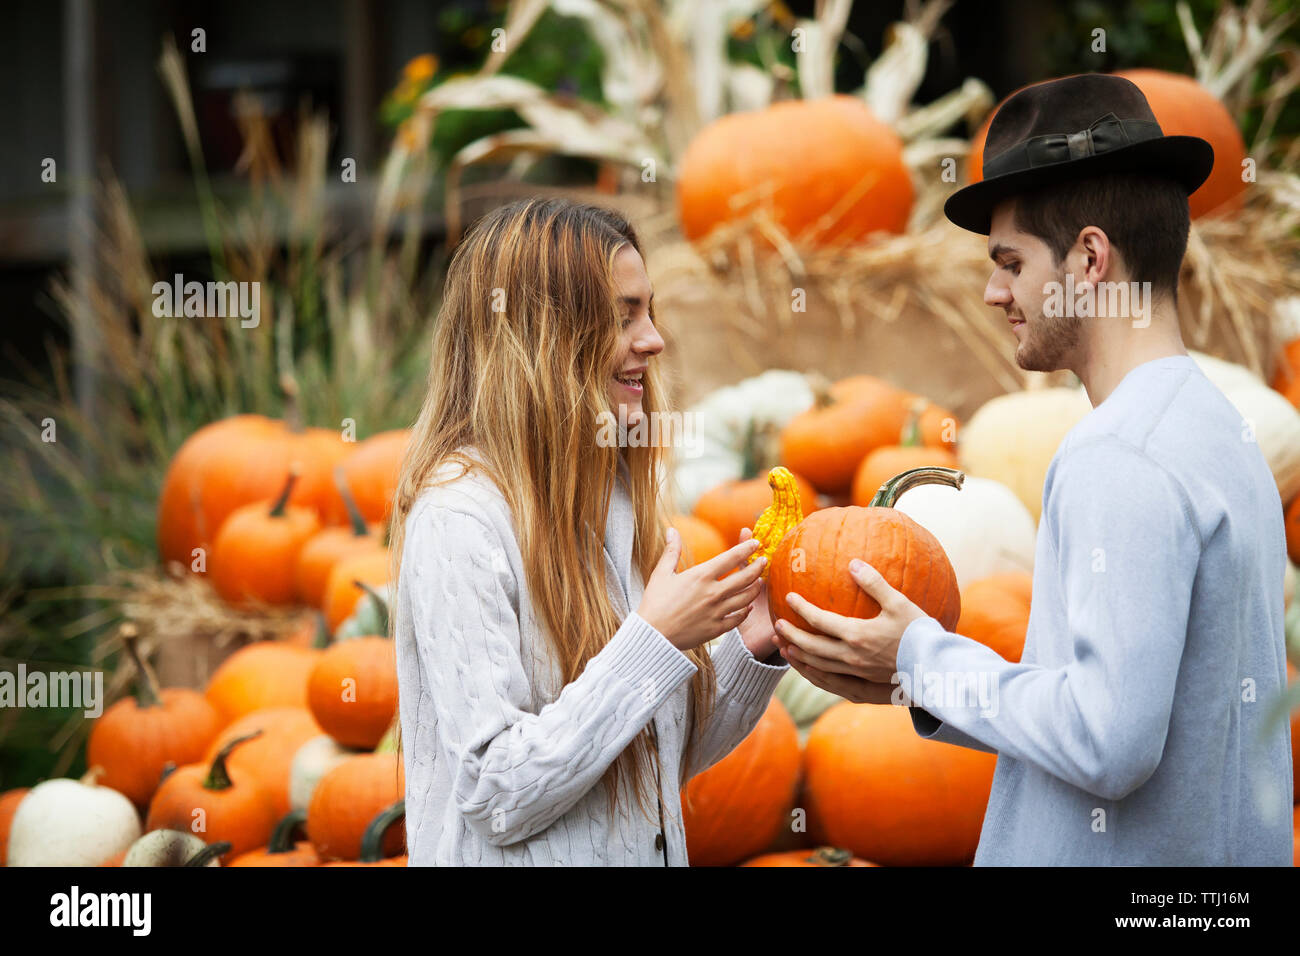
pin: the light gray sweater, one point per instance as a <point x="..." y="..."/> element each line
<point x="1132" y="732"/>
<point x="503" y="762"/>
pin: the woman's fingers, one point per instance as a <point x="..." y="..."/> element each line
<point x="733" y="557"/>
<point x="735" y="617"/>
<point x="741" y="598"/>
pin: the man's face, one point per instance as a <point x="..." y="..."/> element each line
<point x="1022" y="269"/>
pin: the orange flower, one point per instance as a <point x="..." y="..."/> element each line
<point x="420" y="69"/>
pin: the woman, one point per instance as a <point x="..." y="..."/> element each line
<point x="556" y="693"/>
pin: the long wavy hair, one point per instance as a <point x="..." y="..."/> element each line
<point x="525" y="345"/>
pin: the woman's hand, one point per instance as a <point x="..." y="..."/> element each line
<point x="756" y="630"/>
<point x="693" y="606"/>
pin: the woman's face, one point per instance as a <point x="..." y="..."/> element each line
<point x="638" y="338"/>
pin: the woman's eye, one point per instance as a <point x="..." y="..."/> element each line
<point x="1014" y="268"/>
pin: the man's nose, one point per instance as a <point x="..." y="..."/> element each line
<point x="996" y="293"/>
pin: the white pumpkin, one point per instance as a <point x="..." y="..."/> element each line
<point x="311" y="761"/>
<point x="1013" y="438"/>
<point x="803" y="699"/>
<point x="67" y="822"/>
<point x="167" y="848"/>
<point x="984" y="528"/>
<point x="723" y="423"/>
<point x="1266" y="415"/>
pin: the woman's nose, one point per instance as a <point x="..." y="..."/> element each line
<point x="649" y="340"/>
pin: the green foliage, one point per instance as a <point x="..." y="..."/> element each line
<point x="1147" y="33"/>
<point x="558" y="54"/>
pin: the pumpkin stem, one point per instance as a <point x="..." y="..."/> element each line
<point x="282" y="835"/>
<point x="277" y="509"/>
<point x="372" y="841"/>
<point x="209" y="852"/>
<point x="380" y="603"/>
<point x="354" y="513"/>
<point x="821" y="389"/>
<point x="911" y="436"/>
<point x="219" y="777"/>
<point x="91" y="777"/>
<point x="292" y="411"/>
<point x="830" y="856"/>
<point x="891" y="490"/>
<point x="323" y="636"/>
<point x="146" y="690"/>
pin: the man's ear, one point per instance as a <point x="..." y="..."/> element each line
<point x="1097" y="256"/>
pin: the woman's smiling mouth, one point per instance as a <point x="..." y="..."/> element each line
<point x="631" y="380"/>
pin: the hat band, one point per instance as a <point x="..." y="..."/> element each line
<point x="1108" y="133"/>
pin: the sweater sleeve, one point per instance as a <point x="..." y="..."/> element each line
<point x="517" y="772"/>
<point x="1127" y="551"/>
<point x="744" y="687"/>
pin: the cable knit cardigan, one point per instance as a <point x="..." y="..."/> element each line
<point x="503" y="762"/>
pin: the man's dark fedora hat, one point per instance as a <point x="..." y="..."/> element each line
<point x="1067" y="129"/>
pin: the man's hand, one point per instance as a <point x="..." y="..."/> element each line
<point x="854" y="658"/>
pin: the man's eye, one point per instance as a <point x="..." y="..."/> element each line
<point x="1013" y="268"/>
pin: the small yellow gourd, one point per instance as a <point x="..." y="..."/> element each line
<point x="780" y="516"/>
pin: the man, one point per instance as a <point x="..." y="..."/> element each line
<point x="1134" y="730"/>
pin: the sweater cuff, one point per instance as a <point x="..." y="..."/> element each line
<point x="912" y="645"/>
<point x="739" y="673"/>
<point x="647" y="660"/>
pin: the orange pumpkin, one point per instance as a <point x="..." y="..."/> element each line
<point x="813" y="559"/>
<point x="9" y="801"/>
<point x="1292" y="522"/>
<point x="348" y="798"/>
<point x="373" y="840"/>
<point x="256" y="550"/>
<point x="938" y="427"/>
<point x="735" y="505"/>
<point x="1295" y="822"/>
<point x="822" y="856"/>
<point x="371" y="473"/>
<point x="341" y="590"/>
<point x="826" y="170"/>
<point x="116" y="859"/>
<point x="328" y="546"/>
<point x="874" y="786"/>
<point x="282" y="850"/>
<point x="884" y="463"/>
<point x="137" y="737"/>
<point x="261" y="675"/>
<point x="267" y="759"/>
<point x="847" y="422"/>
<point x="352" y="691"/>
<point x="1287" y="376"/>
<point x="1292" y="675"/>
<point x="700" y="540"/>
<point x="234" y="462"/>
<point x="1182" y="107"/>
<point x="214" y="803"/>
<point x="995" y="612"/>
<point x="739" y="805"/>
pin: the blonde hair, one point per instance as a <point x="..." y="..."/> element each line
<point x="526" y="342"/>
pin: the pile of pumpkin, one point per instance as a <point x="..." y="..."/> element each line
<point x="283" y="739"/>
<point x="871" y="787"/>
<point x="278" y="515"/>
